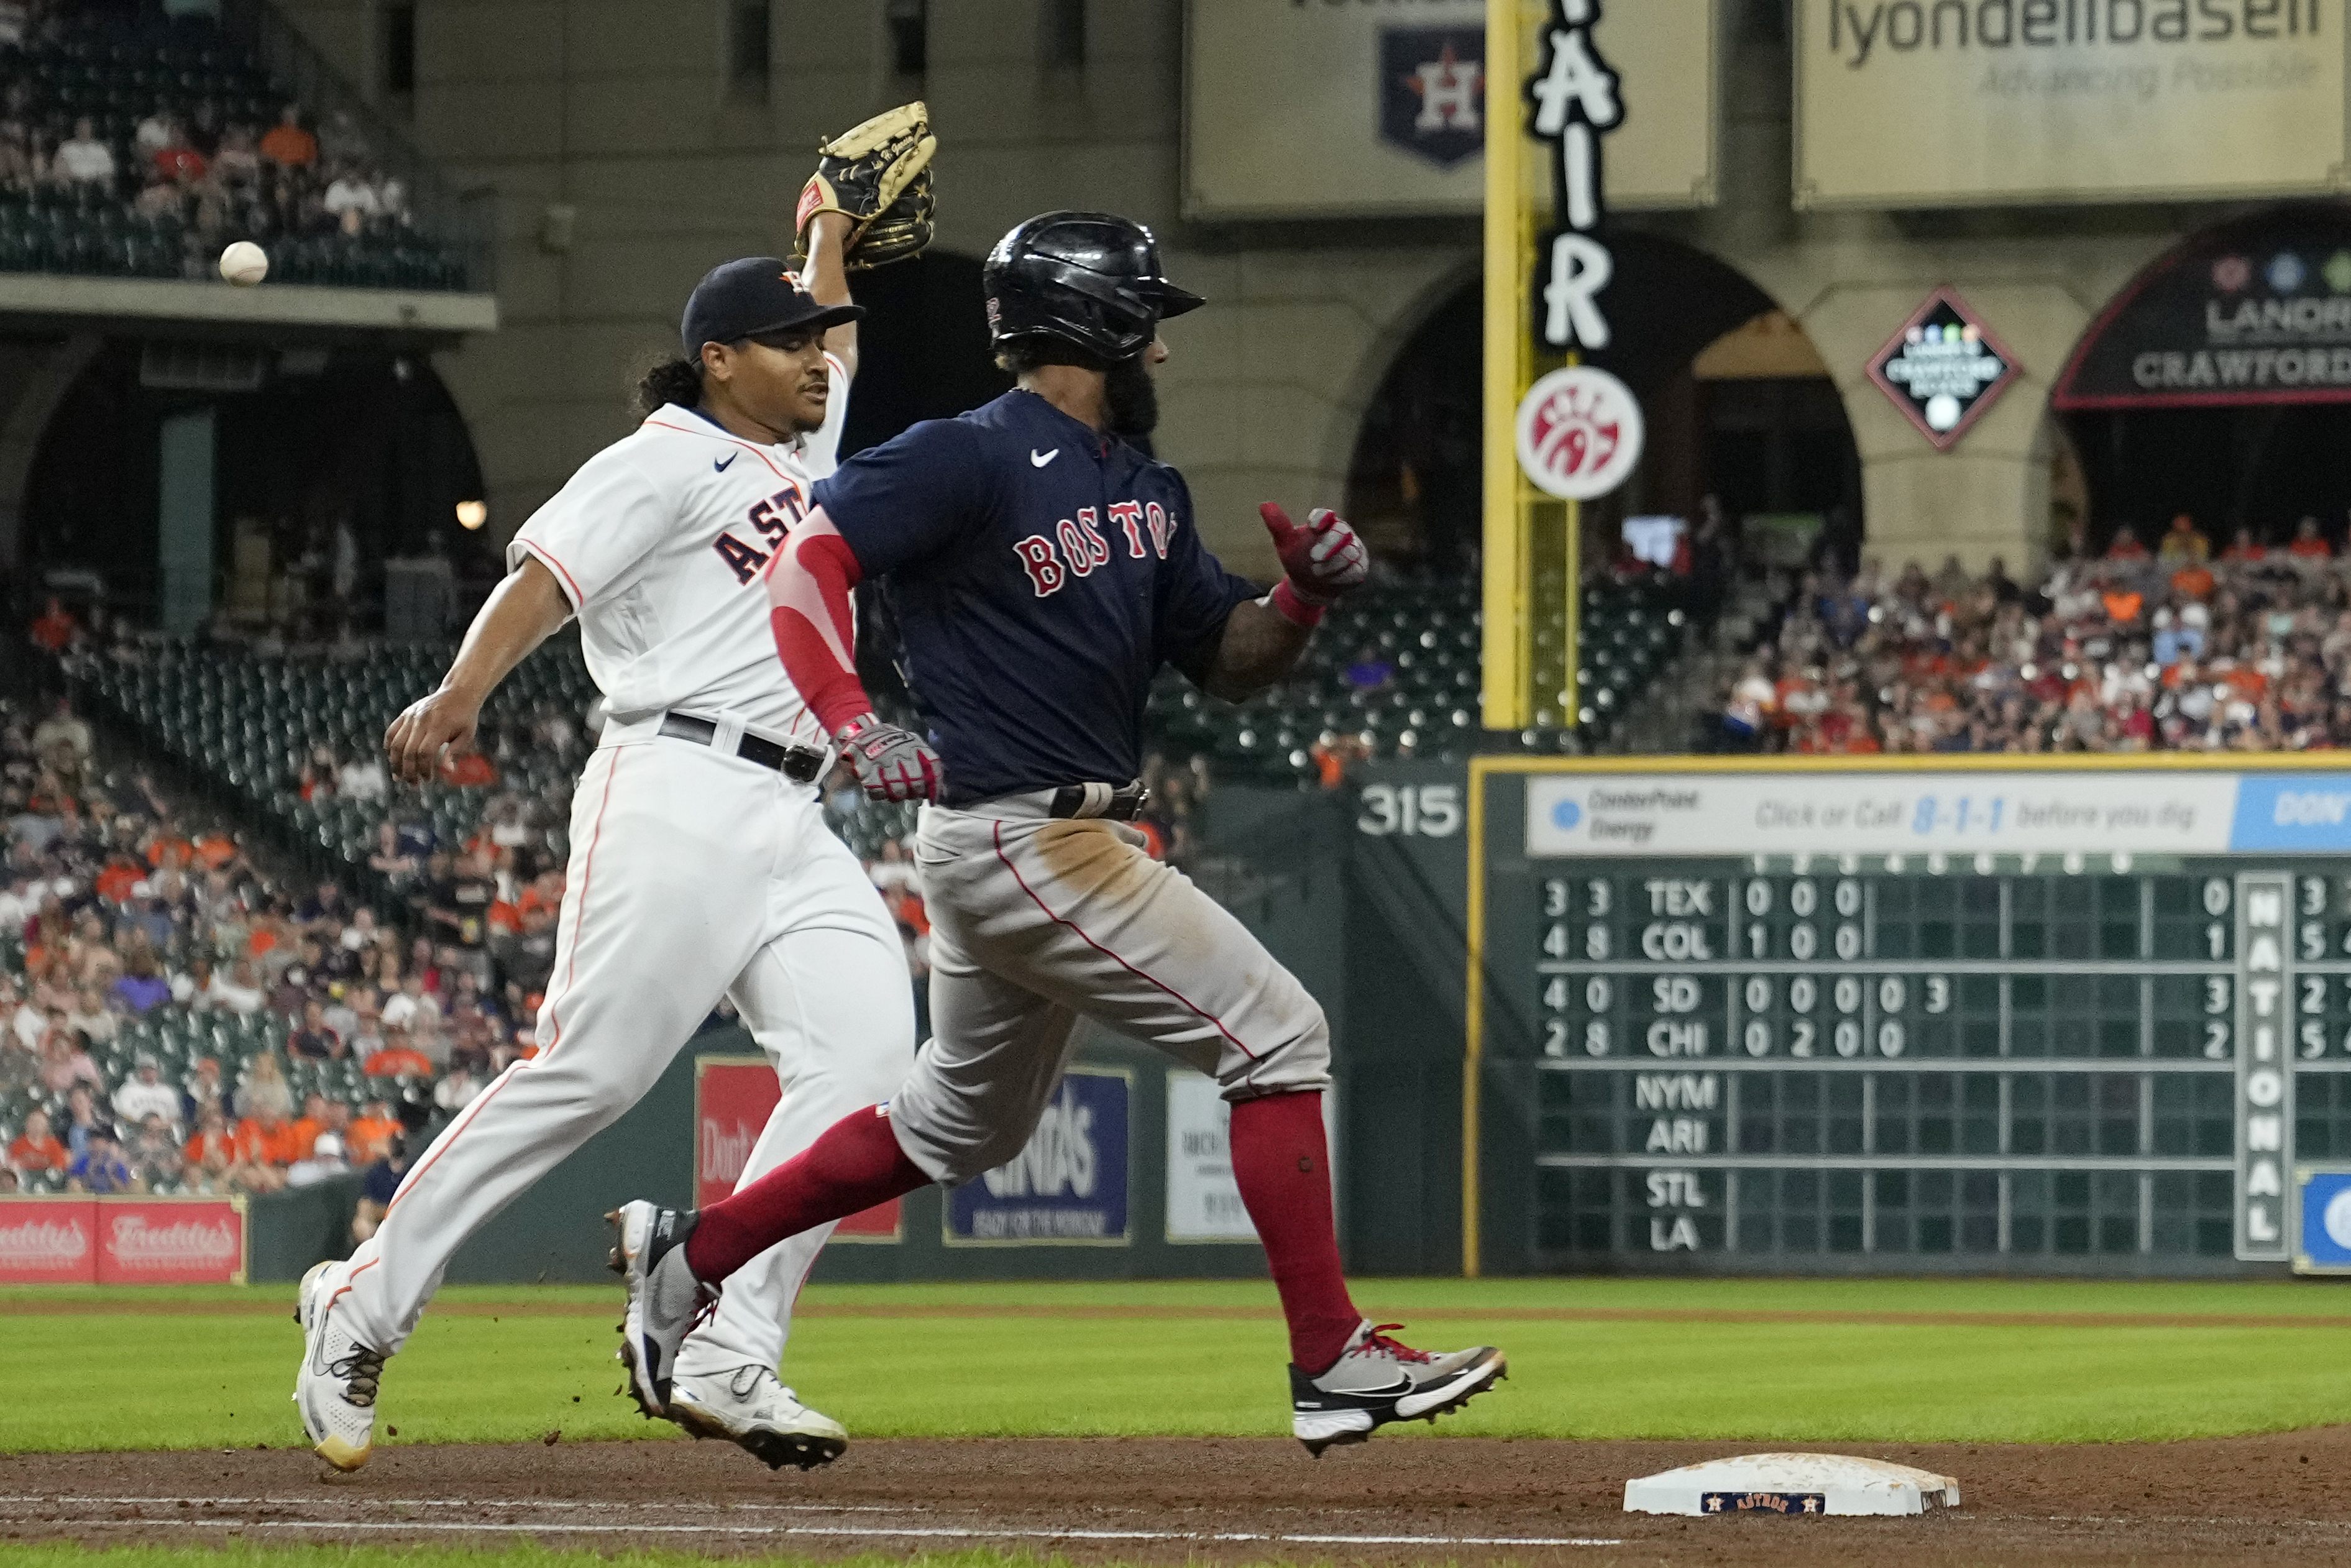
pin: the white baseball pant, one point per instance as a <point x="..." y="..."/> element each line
<point x="694" y="874"/>
<point x="1035" y="922"/>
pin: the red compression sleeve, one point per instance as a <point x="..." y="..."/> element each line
<point x="853" y="1165"/>
<point x="816" y="636"/>
<point x="1284" y="1169"/>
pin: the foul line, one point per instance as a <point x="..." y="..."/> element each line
<point x="846" y="1531"/>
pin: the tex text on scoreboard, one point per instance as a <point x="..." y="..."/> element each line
<point x="1848" y="1014"/>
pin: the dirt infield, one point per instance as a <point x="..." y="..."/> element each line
<point x="2247" y="1501"/>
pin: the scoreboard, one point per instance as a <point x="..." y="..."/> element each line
<point x="1848" y="1020"/>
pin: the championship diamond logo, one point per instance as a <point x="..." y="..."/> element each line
<point x="1433" y="92"/>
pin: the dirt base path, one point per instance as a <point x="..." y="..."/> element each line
<point x="2247" y="1501"/>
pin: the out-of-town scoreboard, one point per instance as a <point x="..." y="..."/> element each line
<point x="1864" y="1018"/>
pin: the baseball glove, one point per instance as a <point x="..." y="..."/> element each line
<point x="878" y="176"/>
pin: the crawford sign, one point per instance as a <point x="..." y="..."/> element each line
<point x="1914" y="103"/>
<point x="1944" y="369"/>
<point x="2257" y="313"/>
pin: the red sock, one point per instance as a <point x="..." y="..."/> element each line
<point x="1284" y="1169"/>
<point x="853" y="1165"/>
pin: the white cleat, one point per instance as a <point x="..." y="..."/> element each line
<point x="750" y="1407"/>
<point x="1377" y="1380"/>
<point x="664" y="1300"/>
<point x="336" y="1388"/>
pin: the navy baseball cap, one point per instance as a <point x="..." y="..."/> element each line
<point x="756" y="295"/>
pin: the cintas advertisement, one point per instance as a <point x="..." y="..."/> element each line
<point x="1068" y="1185"/>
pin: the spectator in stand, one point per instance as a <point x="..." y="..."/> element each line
<point x="265" y="1092"/>
<point x="363" y="779"/>
<point x="63" y="744"/>
<point x="314" y="1041"/>
<point x="467" y="769"/>
<point x="323" y="1163"/>
<point x="145" y="1094"/>
<point x="2243" y="549"/>
<point x="238" y="992"/>
<point x="372" y="1133"/>
<point x="460" y="904"/>
<point x="377" y="1186"/>
<point x="236" y="163"/>
<point x="391" y="858"/>
<point x="351" y="199"/>
<point x="2124" y="545"/>
<point x="54" y="630"/>
<point x="526" y="959"/>
<point x="2183" y="545"/>
<point x="2307" y="545"/>
<point x="1368" y="671"/>
<point x="457" y="1087"/>
<point x="399" y="1058"/>
<point x="271" y="1137"/>
<point x="101" y="1169"/>
<point x="178" y="162"/>
<point x="154" y="1157"/>
<point x="155" y="132"/>
<point x="204" y="1088"/>
<point x="82" y="159"/>
<point x="287" y="143"/>
<point x="37" y="1149"/>
<point x="140" y="991"/>
<point x="304" y="1129"/>
<point x="66" y="1063"/>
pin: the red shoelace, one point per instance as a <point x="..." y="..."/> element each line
<point x="1378" y="1340"/>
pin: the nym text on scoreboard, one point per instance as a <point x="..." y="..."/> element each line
<point x="1746" y="1016"/>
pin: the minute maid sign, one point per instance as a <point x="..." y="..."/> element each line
<point x="1954" y="102"/>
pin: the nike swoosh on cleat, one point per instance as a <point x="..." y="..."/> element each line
<point x="718" y="466"/>
<point x="1037" y="462"/>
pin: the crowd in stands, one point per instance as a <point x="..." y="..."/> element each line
<point x="172" y="1020"/>
<point x="132" y="146"/>
<point x="2174" y="647"/>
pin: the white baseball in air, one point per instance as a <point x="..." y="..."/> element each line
<point x="245" y="264"/>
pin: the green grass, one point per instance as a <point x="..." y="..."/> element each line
<point x="83" y="1379"/>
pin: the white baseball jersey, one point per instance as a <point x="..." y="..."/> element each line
<point x="660" y="541"/>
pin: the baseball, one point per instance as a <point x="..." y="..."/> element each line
<point x="245" y="264"/>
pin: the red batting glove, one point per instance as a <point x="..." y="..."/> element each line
<point x="891" y="764"/>
<point x="1320" y="561"/>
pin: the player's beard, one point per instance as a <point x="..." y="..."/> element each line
<point x="1131" y="400"/>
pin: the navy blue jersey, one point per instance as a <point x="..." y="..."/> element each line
<point x="1040" y="575"/>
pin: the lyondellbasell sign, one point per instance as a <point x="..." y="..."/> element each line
<point x="1944" y="369"/>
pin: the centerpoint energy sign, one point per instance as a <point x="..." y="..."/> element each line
<point x="1953" y="102"/>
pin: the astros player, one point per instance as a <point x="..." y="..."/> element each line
<point x="1040" y="570"/>
<point x="701" y="865"/>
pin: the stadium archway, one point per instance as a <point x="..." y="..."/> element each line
<point x="2218" y="384"/>
<point x="181" y="480"/>
<point x="1740" y="406"/>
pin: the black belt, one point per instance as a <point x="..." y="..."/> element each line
<point x="800" y="764"/>
<point x="1122" y="804"/>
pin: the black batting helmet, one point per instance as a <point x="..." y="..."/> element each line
<point x="1090" y="279"/>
